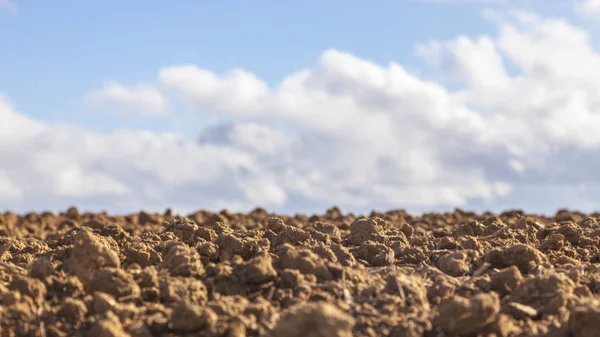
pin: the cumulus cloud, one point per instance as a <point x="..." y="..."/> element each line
<point x="588" y="7"/>
<point x="345" y="131"/>
<point x="142" y="99"/>
<point x="8" y="189"/>
<point x="466" y="1"/>
<point x="551" y="104"/>
<point x="49" y="166"/>
<point x="9" y="6"/>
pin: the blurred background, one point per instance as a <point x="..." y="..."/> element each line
<point x="296" y="107"/>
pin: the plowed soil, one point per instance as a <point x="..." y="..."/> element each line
<point x="331" y="275"/>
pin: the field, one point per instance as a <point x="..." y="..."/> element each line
<point x="262" y="274"/>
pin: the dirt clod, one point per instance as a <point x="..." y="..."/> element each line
<point x="187" y="317"/>
<point x="315" y="320"/>
<point x="463" y="317"/>
<point x="89" y="254"/>
<point x="506" y="280"/>
<point x="108" y="326"/>
<point x="182" y="260"/>
<point x="260" y="274"/>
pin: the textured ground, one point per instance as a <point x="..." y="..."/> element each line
<point x="260" y="274"/>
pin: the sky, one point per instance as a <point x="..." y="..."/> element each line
<point x="423" y="105"/>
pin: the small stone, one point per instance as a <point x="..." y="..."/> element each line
<point x="519" y="311"/>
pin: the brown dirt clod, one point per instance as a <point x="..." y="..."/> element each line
<point x="453" y="274"/>
<point x="315" y="320"/>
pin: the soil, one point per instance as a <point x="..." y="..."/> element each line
<point x="261" y="274"/>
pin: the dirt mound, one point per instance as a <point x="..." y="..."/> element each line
<point x="260" y="274"/>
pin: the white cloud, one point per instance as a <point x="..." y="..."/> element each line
<point x="141" y="99"/>
<point x="13" y="125"/>
<point x="9" y="6"/>
<point x="60" y="165"/>
<point x="264" y="191"/>
<point x="588" y="7"/>
<point x="552" y="103"/>
<point x="235" y="92"/>
<point x="345" y="131"/>
<point x="253" y="137"/>
<point x="8" y="189"/>
<point x="74" y="182"/>
<point x="466" y="1"/>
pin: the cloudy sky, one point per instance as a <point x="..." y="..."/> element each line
<point x="425" y="105"/>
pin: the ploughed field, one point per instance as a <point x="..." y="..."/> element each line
<point x="261" y="274"/>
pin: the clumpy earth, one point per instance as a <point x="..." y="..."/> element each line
<point x="330" y="275"/>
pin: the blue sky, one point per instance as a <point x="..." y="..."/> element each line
<point x="55" y="55"/>
<point x="56" y="51"/>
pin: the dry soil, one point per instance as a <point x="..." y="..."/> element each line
<point x="330" y="275"/>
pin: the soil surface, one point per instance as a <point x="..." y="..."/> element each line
<point x="331" y="275"/>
